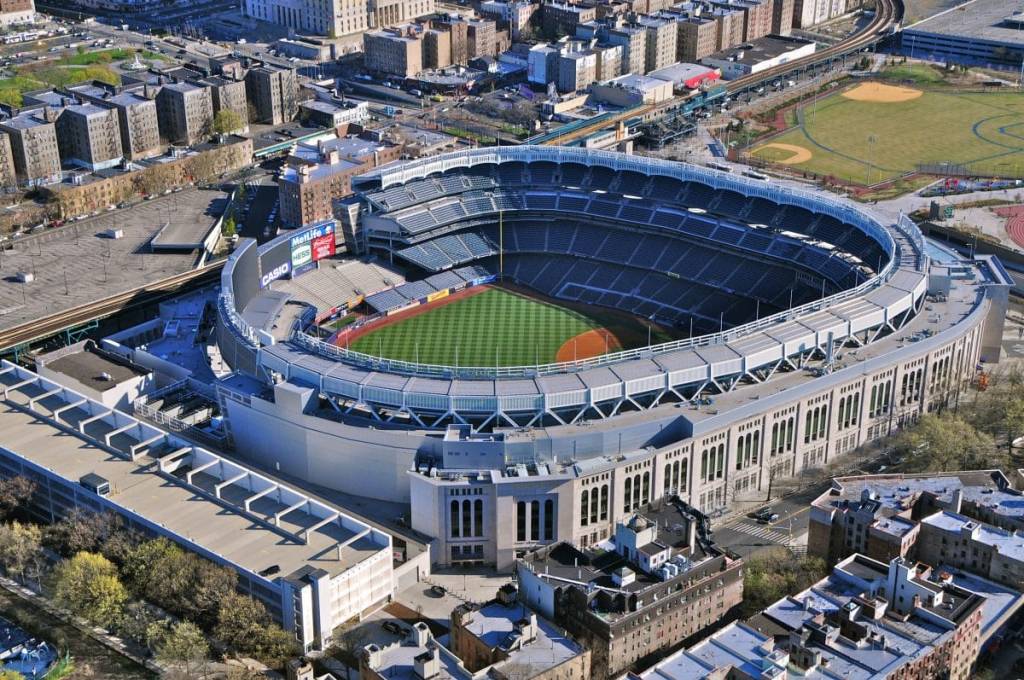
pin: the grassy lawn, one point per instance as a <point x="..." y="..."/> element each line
<point x="106" y="56"/>
<point x="868" y="142"/>
<point x="30" y="78"/>
<point x="496" y="327"/>
<point x="920" y="74"/>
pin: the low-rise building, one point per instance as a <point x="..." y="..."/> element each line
<point x="136" y="115"/>
<point x="320" y="170"/>
<point x="542" y="63"/>
<point x="633" y="90"/>
<point x="273" y="92"/>
<point x="656" y="583"/>
<point x="17" y="12"/>
<point x="867" y="620"/>
<point x="878" y="515"/>
<point x="89" y="136"/>
<point x="185" y="112"/>
<point x="396" y="52"/>
<point x="686" y="76"/>
<point x="500" y="640"/>
<point x="33" y="137"/>
<point x="761" y="54"/>
<point x="331" y="114"/>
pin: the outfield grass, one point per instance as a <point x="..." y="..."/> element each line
<point x="868" y="142"/>
<point x="493" y="328"/>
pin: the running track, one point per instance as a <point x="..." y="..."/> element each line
<point x="1014" y="215"/>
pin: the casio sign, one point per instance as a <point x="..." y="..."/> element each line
<point x="274" y="275"/>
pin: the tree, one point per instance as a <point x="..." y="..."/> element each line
<point x="88" y="585"/>
<point x="227" y="121"/>
<point x="80" y="531"/>
<point x="15" y="494"/>
<point x="183" y="645"/>
<point x="945" y="442"/>
<point x="770" y="577"/>
<point x="228" y="228"/>
<point x="10" y="675"/>
<point x="245" y="627"/>
<point x="21" y="549"/>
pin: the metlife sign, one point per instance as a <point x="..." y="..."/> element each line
<point x="312" y="245"/>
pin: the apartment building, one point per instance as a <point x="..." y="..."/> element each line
<point x="512" y="14"/>
<point x="659" y="582"/>
<point x="396" y="52"/>
<point x="807" y="13"/>
<point x="482" y="35"/>
<point x="782" y="16"/>
<point x="185" y="112"/>
<point x="89" y="136"/>
<point x="867" y="619"/>
<point x="136" y="115"/>
<point x="273" y="92"/>
<point x="729" y="25"/>
<point x="757" y="16"/>
<point x="952" y="539"/>
<point x="576" y="70"/>
<point x="321" y="170"/>
<point x="229" y="94"/>
<point x="609" y="61"/>
<point x="633" y="40"/>
<point x="660" y="43"/>
<point x="437" y="48"/>
<point x="8" y="178"/>
<point x="33" y="137"/>
<point x="561" y="18"/>
<point x="17" y="12"/>
<point x="697" y="38"/>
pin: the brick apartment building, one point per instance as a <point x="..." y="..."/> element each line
<point x="185" y="112"/>
<point x="136" y="115"/>
<point x="33" y="137"/>
<point x="89" y="136"/>
<point x="273" y="92"/>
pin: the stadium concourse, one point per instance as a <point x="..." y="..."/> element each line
<point x="808" y="326"/>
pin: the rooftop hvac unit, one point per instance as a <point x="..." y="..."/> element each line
<point x="115" y="234"/>
<point x="26" y="277"/>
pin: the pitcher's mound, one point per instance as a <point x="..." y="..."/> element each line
<point x="797" y="154"/>
<point x="881" y="94"/>
<point x="592" y="343"/>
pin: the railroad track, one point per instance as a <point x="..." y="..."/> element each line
<point x="49" y="326"/>
<point x="887" y="12"/>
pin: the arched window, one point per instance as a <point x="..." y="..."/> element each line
<point x="721" y="461"/>
<point x="668" y="477"/>
<point x="628" y="495"/>
<point x="808" y="426"/>
<point x="823" y="423"/>
<point x="467" y="510"/>
<point x="593" y="506"/>
<point x="874" y="401"/>
<point x="856" y="409"/>
<point x="549" y="520"/>
<point x="790" y="433"/>
<point x="604" y="502"/>
<point x="756" y="447"/>
<point x="646" y="498"/>
<point x="775" y="439"/>
<point x="584" y="513"/>
<point x="453" y="519"/>
<point x="704" y="465"/>
<point x="740" y="446"/>
<point x="682" y="475"/>
<point x="534" y="520"/>
<point x="521" y="521"/>
<point x="636" y="491"/>
<point x="677" y="482"/>
<point x="478" y="517"/>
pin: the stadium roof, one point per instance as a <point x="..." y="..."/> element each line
<point x="989" y="20"/>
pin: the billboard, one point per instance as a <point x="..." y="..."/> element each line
<point x="438" y="295"/>
<point x="275" y="263"/>
<point x="313" y="244"/>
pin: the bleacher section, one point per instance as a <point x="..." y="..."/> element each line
<point x="335" y="281"/>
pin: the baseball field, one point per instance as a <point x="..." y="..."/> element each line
<point x="871" y="132"/>
<point x="490" y="326"/>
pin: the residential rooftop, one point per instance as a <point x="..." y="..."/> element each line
<point x="1009" y="544"/>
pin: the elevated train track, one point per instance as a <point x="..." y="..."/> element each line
<point x="888" y="13"/>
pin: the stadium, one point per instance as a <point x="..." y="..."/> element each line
<point x="563" y="309"/>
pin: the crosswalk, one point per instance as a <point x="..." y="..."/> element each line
<point x="796" y="544"/>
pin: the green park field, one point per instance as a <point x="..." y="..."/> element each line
<point x="499" y="327"/>
<point x="873" y="132"/>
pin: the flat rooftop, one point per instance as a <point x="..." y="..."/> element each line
<point x="762" y="49"/>
<point x="895" y="492"/>
<point x="94" y="266"/>
<point x="94" y="367"/>
<point x="1008" y="544"/>
<point x="221" y="527"/>
<point x="997" y="21"/>
<point x="494" y="624"/>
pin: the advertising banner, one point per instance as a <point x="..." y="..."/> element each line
<point x="313" y="244"/>
<point x="438" y="295"/>
<point x="483" y="279"/>
<point x="275" y="263"/>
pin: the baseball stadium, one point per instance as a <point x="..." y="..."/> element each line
<point x="564" y="315"/>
